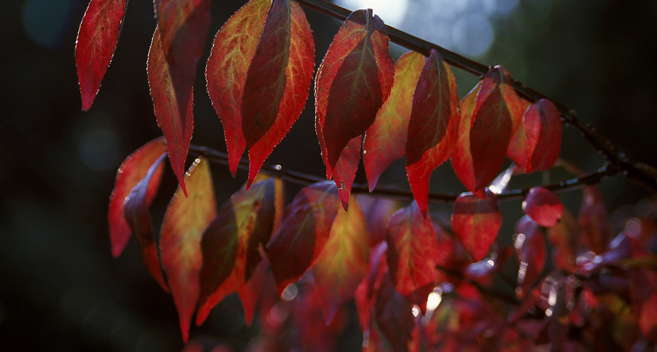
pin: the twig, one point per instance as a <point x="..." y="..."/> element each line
<point x="639" y="173"/>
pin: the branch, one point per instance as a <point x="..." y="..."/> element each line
<point x="434" y="198"/>
<point x="639" y="173"/>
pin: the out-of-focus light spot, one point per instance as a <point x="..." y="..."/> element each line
<point x="472" y="35"/>
<point x="552" y="298"/>
<point x="433" y="301"/>
<point x="490" y="262"/>
<point x="415" y="310"/>
<point x="522" y="271"/>
<point x="633" y="227"/>
<point x="392" y="12"/>
<point x="520" y="239"/>
<point x="290" y="292"/>
<point x="99" y="149"/>
<point x="548" y="312"/>
<point x="45" y="21"/>
<point x="277" y="314"/>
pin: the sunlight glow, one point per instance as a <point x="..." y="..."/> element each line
<point x="434" y="300"/>
<point x="392" y="12"/>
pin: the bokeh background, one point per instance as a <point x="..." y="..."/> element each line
<point x="60" y="288"/>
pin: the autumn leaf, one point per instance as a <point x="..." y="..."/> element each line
<point x="542" y="127"/>
<point x="177" y="129"/>
<point x="183" y="26"/>
<point x="137" y="216"/>
<point x="343" y="262"/>
<point x="345" y="170"/>
<point x="461" y="155"/>
<point x="592" y="220"/>
<point x="366" y="292"/>
<point x="648" y="319"/>
<point x="529" y="243"/>
<point x="132" y="170"/>
<point x="542" y="206"/>
<point x="476" y="222"/>
<point x="230" y="244"/>
<point x="233" y="49"/>
<point x="433" y="126"/>
<point x="184" y="222"/>
<point x="303" y="232"/>
<point x="250" y="293"/>
<point x="95" y="44"/>
<point x="412" y="249"/>
<point x="385" y="140"/>
<point x="352" y="83"/>
<point x="564" y="239"/>
<point x="377" y="211"/>
<point x="393" y="316"/>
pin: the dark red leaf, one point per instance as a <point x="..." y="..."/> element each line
<point x="542" y="127"/>
<point x="137" y="217"/>
<point x="367" y="290"/>
<point x="433" y="127"/>
<point x="542" y="206"/>
<point x="345" y="170"/>
<point x="393" y="316"/>
<point x="476" y="222"/>
<point x="412" y="249"/>
<point x="95" y="44"/>
<point x="529" y="243"/>
<point x="303" y="233"/>
<point x="231" y="243"/>
<point x="180" y="239"/>
<point x="565" y="243"/>
<point x="343" y="262"/>
<point x="131" y="171"/>
<point x="461" y="155"/>
<point x="183" y="25"/>
<point x="250" y="293"/>
<point x="177" y="129"/>
<point x="592" y="220"/>
<point x="385" y="140"/>
<point x="518" y="149"/>
<point x="352" y="83"/>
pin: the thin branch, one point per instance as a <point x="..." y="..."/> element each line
<point x="434" y="198"/>
<point x="639" y="173"/>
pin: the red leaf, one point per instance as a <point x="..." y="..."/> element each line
<point x="493" y="124"/>
<point x="529" y="243"/>
<point x="177" y="130"/>
<point x="345" y="170"/>
<point x="250" y="293"/>
<point x="367" y="290"/>
<point x="95" y="44"/>
<point x="230" y="244"/>
<point x="433" y="126"/>
<point x="233" y="49"/>
<point x="542" y="206"/>
<point x="542" y="126"/>
<point x="180" y="239"/>
<point x="297" y="75"/>
<point x="476" y="222"/>
<point x="131" y="171"/>
<point x="518" y="149"/>
<point x="183" y="25"/>
<point x="393" y="316"/>
<point x="343" y="262"/>
<point x="564" y="240"/>
<point x="412" y="249"/>
<point x="137" y="216"/>
<point x="377" y="211"/>
<point x="461" y="155"/>
<point x="592" y="220"/>
<point x="648" y="319"/>
<point x="385" y="140"/>
<point x="352" y="83"/>
<point x="303" y="232"/>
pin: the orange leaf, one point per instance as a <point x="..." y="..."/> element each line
<point x="343" y="262"/>
<point x="352" y="83"/>
<point x="385" y="140"/>
<point x="131" y="171"/>
<point x="230" y="244"/>
<point x="95" y="44"/>
<point x="184" y="222"/>
<point x="476" y="222"/>
<point x="433" y="126"/>
<point x="177" y="129"/>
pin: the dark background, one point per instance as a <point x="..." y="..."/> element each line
<point x="60" y="288"/>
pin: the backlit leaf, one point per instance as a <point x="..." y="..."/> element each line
<point x="352" y="83"/>
<point x="412" y="249"/>
<point x="542" y="206"/>
<point x="232" y="51"/>
<point x="385" y="140"/>
<point x="343" y="262"/>
<point x="433" y="126"/>
<point x="95" y="44"/>
<point x="592" y="220"/>
<point x="648" y="318"/>
<point x="177" y="129"/>
<point x="518" y="149"/>
<point x="565" y="243"/>
<point x="393" y="316"/>
<point x="303" y="232"/>
<point x="476" y="222"/>
<point x="345" y="170"/>
<point x="250" y="293"/>
<point x="461" y="155"/>
<point x="184" y="222"/>
<point x="296" y="76"/>
<point x="131" y="171"/>
<point x="542" y="127"/>
<point x="367" y="290"/>
<point x="183" y="25"/>
<point x="529" y="243"/>
<point x="230" y="244"/>
<point x="137" y="216"/>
